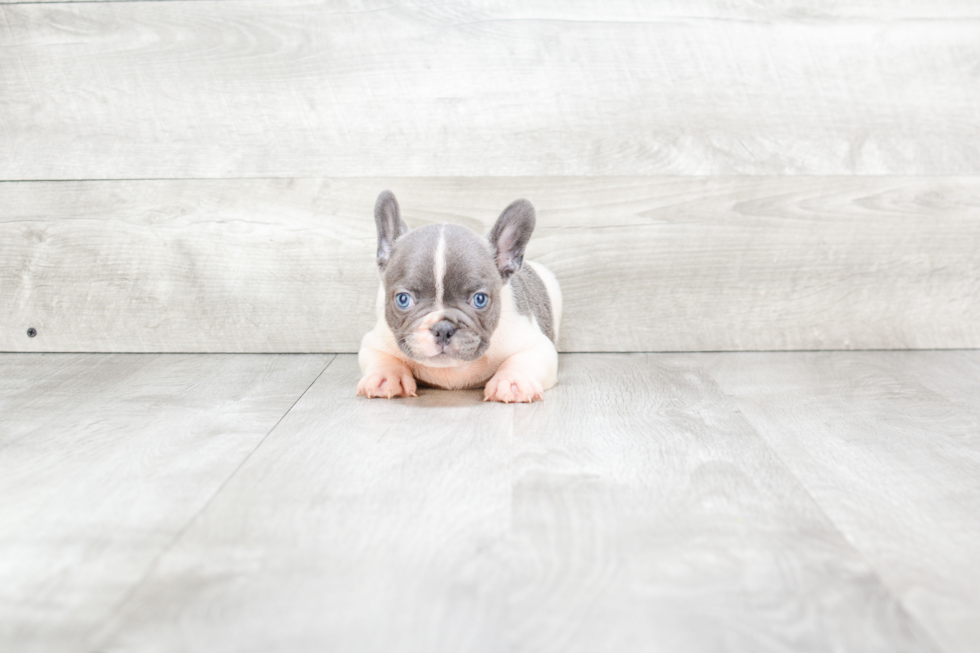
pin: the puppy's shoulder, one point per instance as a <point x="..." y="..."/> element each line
<point x="536" y="295"/>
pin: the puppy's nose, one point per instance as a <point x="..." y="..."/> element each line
<point x="443" y="330"/>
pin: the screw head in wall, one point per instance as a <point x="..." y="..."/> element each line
<point x="31" y="332"/>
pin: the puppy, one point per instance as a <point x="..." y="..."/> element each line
<point x="459" y="311"/>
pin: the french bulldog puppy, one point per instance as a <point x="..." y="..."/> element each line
<point x="456" y="310"/>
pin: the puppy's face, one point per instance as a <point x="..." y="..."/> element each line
<point x="442" y="294"/>
<point x="442" y="282"/>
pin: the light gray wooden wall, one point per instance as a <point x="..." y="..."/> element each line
<point x="199" y="176"/>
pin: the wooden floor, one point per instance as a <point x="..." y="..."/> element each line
<point x="673" y="502"/>
<point x="709" y="176"/>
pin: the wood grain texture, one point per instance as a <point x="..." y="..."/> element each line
<point x="662" y="264"/>
<point x="649" y="515"/>
<point x="301" y="88"/>
<point x="359" y="525"/>
<point x="104" y="459"/>
<point x="887" y="443"/>
<point x="632" y="10"/>
<point x="633" y="509"/>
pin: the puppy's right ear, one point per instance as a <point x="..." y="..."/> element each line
<point x="390" y="225"/>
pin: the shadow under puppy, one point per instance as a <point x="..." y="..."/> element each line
<point x="459" y="311"/>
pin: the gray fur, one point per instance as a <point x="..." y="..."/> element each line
<point x="387" y="218"/>
<point x="411" y="267"/>
<point x="510" y="234"/>
<point x="469" y="265"/>
<point x="473" y="265"/>
<point x="531" y="297"/>
<point x="469" y="269"/>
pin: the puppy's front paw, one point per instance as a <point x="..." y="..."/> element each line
<point x="512" y="387"/>
<point x="387" y="383"/>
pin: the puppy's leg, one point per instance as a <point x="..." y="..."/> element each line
<point x="524" y="376"/>
<point x="384" y="375"/>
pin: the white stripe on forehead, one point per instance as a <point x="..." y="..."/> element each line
<point x="439" y="267"/>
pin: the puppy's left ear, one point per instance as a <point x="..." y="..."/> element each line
<point x="510" y="234"/>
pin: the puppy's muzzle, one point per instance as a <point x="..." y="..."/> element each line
<point x="442" y="331"/>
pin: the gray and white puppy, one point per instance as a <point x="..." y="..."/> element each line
<point x="456" y="310"/>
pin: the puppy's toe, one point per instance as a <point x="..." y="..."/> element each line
<point x="387" y="384"/>
<point x="512" y="388"/>
<point x="409" y="387"/>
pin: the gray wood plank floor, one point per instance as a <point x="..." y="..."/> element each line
<point x="886" y="444"/>
<point x="104" y="460"/>
<point x="677" y="502"/>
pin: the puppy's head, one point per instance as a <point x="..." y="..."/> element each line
<point x="442" y="282"/>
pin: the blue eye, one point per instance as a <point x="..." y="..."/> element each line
<point x="403" y="300"/>
<point x="480" y="300"/>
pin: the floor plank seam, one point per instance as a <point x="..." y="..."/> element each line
<point x="918" y="625"/>
<point x="190" y="522"/>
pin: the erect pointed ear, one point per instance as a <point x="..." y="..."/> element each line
<point x="510" y="234"/>
<point x="390" y="225"/>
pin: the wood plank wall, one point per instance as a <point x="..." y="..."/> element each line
<point x="709" y="175"/>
